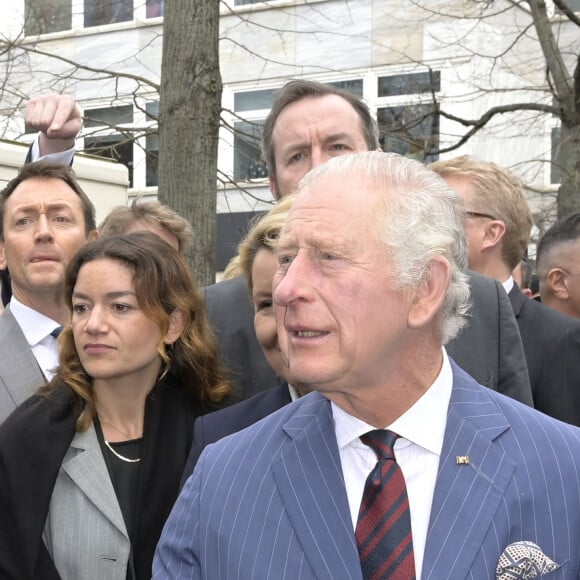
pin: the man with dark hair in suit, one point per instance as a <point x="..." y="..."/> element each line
<point x="308" y="124"/>
<point x="45" y="217"/>
<point x="400" y="465"/>
<point x="558" y="265"/>
<point x="498" y="226"/>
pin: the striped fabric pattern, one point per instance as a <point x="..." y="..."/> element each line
<point x="383" y="531"/>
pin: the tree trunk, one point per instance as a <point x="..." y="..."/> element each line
<point x="189" y="117"/>
<point x="569" y="192"/>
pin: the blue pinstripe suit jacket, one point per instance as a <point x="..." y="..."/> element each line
<point x="270" y="501"/>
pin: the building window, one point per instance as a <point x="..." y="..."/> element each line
<point x="248" y="162"/>
<point x="45" y="16"/>
<point x="99" y="12"/>
<point x="254" y="100"/>
<point x="109" y="116"/>
<point x="354" y="86"/>
<point x="113" y="140"/>
<point x="572" y="4"/>
<point x="411" y="130"/>
<point x="155" y="8"/>
<point x="117" y="147"/>
<point x="409" y="84"/>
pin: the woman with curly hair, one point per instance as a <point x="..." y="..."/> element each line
<point x="90" y="466"/>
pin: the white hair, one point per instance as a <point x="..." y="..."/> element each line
<point x="419" y="219"/>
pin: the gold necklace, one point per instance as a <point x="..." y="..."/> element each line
<point x="121" y="457"/>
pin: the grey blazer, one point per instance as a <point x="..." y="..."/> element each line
<point x="20" y="375"/>
<point x="84" y="516"/>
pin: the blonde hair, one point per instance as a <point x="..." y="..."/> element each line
<point x="121" y="218"/>
<point x="500" y="193"/>
<point x="264" y="234"/>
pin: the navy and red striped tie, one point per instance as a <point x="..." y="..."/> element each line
<point x="383" y="531"/>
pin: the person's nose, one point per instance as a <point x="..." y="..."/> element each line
<point x="296" y="283"/>
<point x="43" y="230"/>
<point x="96" y="321"/>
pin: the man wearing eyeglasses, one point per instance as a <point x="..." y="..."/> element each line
<point x="498" y="224"/>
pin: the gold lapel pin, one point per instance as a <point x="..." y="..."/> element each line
<point x="462" y="459"/>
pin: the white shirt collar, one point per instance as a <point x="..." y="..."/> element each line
<point x="423" y="424"/>
<point x="34" y="325"/>
<point x="508" y="284"/>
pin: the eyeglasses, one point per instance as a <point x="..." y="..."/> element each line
<point x="477" y="214"/>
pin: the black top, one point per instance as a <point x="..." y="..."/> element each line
<point x="34" y="440"/>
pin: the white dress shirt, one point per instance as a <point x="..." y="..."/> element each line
<point x="36" y="328"/>
<point x="64" y="157"/>
<point x="508" y="284"/>
<point x="417" y="451"/>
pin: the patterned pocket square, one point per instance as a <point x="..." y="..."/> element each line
<point x="522" y="561"/>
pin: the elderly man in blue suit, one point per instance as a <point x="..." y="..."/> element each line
<point x="366" y="295"/>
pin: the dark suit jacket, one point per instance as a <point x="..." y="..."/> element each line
<point x="489" y="348"/>
<point x="212" y="427"/>
<point x="270" y="501"/>
<point x="552" y="346"/>
<point x="232" y="317"/>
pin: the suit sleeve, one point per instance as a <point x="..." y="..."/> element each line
<point x="64" y="157"/>
<point x="177" y="554"/>
<point x="513" y="379"/>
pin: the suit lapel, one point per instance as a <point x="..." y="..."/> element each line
<point x="85" y="465"/>
<point x="467" y="495"/>
<point x="23" y="375"/>
<point x="309" y="478"/>
<point x="517" y="300"/>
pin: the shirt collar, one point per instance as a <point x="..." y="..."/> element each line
<point x="508" y="284"/>
<point x="422" y="424"/>
<point x="34" y="325"/>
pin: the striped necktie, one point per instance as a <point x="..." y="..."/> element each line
<point x="383" y="531"/>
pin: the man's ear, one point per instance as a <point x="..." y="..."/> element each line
<point x="93" y="235"/>
<point x="557" y="282"/>
<point x="176" y="326"/>
<point x="2" y="257"/>
<point x="429" y="296"/>
<point x="494" y="233"/>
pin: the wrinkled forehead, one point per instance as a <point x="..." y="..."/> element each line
<point x="329" y="210"/>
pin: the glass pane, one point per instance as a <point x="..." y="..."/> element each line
<point x="99" y="12"/>
<point x="117" y="147"/>
<point x="572" y="4"/>
<point x="254" y="100"/>
<point x="44" y="16"/>
<point x="155" y="8"/>
<point x="248" y="163"/>
<point x="152" y="110"/>
<point x="355" y="86"/>
<point x="411" y="130"/>
<point x="152" y="160"/>
<point x="409" y="84"/>
<point x="109" y="116"/>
